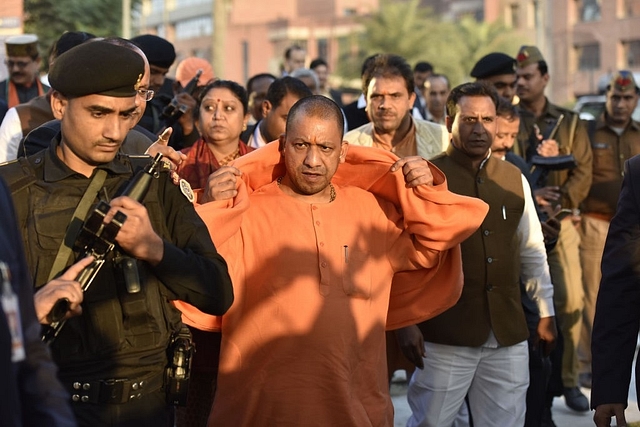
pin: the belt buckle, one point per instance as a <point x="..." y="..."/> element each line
<point x="112" y="391"/>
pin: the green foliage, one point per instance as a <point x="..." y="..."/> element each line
<point x="413" y="32"/>
<point x="49" y="19"/>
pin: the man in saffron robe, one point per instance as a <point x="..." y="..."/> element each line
<point x="313" y="249"/>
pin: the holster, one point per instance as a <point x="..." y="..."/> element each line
<point x="178" y="373"/>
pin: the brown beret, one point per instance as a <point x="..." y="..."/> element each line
<point x="528" y="55"/>
<point x="97" y="67"/>
<point x="23" y="45"/>
<point x="623" y="81"/>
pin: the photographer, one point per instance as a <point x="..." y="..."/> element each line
<point x="161" y="55"/>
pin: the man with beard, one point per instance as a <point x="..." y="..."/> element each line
<point x="23" y="64"/>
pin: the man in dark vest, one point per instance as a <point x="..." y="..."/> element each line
<point x="23" y="64"/>
<point x="479" y="347"/>
<point x="114" y="354"/>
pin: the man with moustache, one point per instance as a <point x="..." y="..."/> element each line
<point x="115" y="349"/>
<point x="479" y="346"/>
<point x="566" y="188"/>
<point x="23" y="64"/>
<point x="388" y="86"/>
<point x="615" y="138"/>
<point x="25" y="117"/>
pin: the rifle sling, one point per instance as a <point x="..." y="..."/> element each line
<point x="79" y="215"/>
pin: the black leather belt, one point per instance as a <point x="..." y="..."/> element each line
<point x="114" y="390"/>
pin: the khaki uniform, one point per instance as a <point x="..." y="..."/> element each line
<point x="610" y="151"/>
<point x="564" y="259"/>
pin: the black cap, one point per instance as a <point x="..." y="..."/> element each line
<point x="158" y="51"/>
<point x="97" y="67"/>
<point x="494" y="64"/>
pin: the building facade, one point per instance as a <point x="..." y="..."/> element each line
<point x="584" y="41"/>
<point x="252" y="36"/>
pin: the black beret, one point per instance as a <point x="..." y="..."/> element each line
<point x="494" y="64"/>
<point x="158" y="51"/>
<point x="97" y="67"/>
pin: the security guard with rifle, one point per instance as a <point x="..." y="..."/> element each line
<point x="121" y="349"/>
<point x="566" y="187"/>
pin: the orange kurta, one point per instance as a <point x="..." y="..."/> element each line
<point x="303" y="343"/>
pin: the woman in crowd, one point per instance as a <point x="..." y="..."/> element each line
<point x="221" y="115"/>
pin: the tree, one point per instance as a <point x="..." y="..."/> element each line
<point x="49" y="19"/>
<point x="413" y="32"/>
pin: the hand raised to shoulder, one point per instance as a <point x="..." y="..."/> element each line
<point x="415" y="169"/>
<point x="221" y="185"/>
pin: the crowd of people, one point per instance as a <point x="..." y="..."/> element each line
<point x="199" y="251"/>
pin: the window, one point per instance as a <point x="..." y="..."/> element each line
<point x="245" y="60"/>
<point x="157" y="5"/>
<point x="588" y="56"/>
<point x="630" y="8"/>
<point x="513" y="19"/>
<point x="185" y="3"/>
<point x="631" y="50"/>
<point x="323" y="48"/>
<point x="589" y="10"/>
<point x="192" y="28"/>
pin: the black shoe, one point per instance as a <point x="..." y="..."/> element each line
<point x="575" y="400"/>
<point x="546" y="420"/>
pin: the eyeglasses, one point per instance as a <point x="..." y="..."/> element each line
<point x="20" y="64"/>
<point x="146" y="94"/>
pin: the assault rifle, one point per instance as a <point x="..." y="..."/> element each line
<point x="543" y="165"/>
<point x="98" y="239"/>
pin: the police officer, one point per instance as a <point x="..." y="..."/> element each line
<point x="566" y="188"/>
<point x="113" y="357"/>
<point x="615" y="138"/>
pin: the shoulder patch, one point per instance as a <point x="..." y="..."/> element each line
<point x="185" y="188"/>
